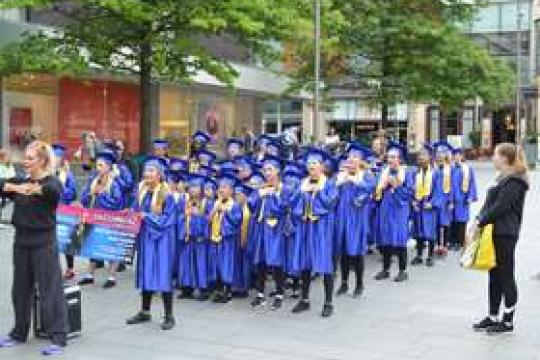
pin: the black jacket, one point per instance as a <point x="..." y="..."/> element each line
<point x="504" y="205"/>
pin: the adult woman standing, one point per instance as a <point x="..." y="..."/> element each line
<point x="35" y="255"/>
<point x="504" y="209"/>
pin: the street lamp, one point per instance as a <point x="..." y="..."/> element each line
<point x="316" y="114"/>
<point x="520" y="15"/>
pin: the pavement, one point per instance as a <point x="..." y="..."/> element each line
<point x="427" y="318"/>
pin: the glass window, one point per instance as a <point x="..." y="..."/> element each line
<point x="509" y="18"/>
<point x="487" y="19"/>
<point x="345" y="110"/>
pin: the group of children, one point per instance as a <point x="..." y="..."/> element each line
<point x="217" y="228"/>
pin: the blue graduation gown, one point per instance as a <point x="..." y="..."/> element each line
<point x="315" y="246"/>
<point x="374" y="219"/>
<point x="193" y="249"/>
<point x="229" y="246"/>
<point x="424" y="215"/>
<point x="126" y="183"/>
<point x="462" y="200"/>
<point x="292" y="225"/>
<point x="353" y="215"/>
<point x="156" y="246"/>
<point x="268" y="238"/>
<point x="69" y="190"/>
<point x="111" y="200"/>
<point x="441" y="200"/>
<point x="394" y="212"/>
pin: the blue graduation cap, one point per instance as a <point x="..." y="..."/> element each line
<point x="442" y="147"/>
<point x="177" y="164"/>
<point x="176" y="175"/>
<point x="238" y="143"/>
<point x="457" y="150"/>
<point x="106" y="156"/>
<point x="256" y="179"/>
<point x="264" y="140"/>
<point x="196" y="180"/>
<point x="160" y="144"/>
<point x="358" y="150"/>
<point x="397" y="148"/>
<point x="316" y="155"/>
<point x="271" y="160"/>
<point x="291" y="165"/>
<point x="201" y="137"/>
<point x="292" y="177"/>
<point x="227" y="166"/>
<point x="206" y="157"/>
<point x="59" y="150"/>
<point x="273" y="147"/>
<point x="227" y="179"/>
<point x="206" y="171"/>
<point x="243" y="188"/>
<point x="159" y="163"/>
<point x="210" y="183"/>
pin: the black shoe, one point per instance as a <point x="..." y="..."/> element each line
<point x="278" y="302"/>
<point x="430" y="262"/>
<point x="328" y="310"/>
<point x="185" y="295"/>
<point x="140" y="318"/>
<point x="358" y="292"/>
<point x="382" y="275"/>
<point x="86" y="281"/>
<point x="500" y="328"/>
<point x="301" y="306"/>
<point x="417" y="260"/>
<point x="401" y="277"/>
<point x="258" y="301"/>
<point x="343" y="289"/>
<point x="484" y="324"/>
<point x="110" y="283"/>
<point x="168" y="323"/>
<point x="222" y="299"/>
<point x="203" y="296"/>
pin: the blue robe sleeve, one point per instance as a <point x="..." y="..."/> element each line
<point x="69" y="193"/>
<point x="253" y="201"/>
<point x="364" y="190"/>
<point x="329" y="195"/>
<point x="181" y="219"/>
<point x="160" y="222"/>
<point x="232" y="221"/>
<point x="86" y="198"/>
<point x="472" y="195"/>
<point x="125" y="179"/>
<point x="403" y="194"/>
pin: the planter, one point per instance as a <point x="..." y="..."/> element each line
<point x="531" y="154"/>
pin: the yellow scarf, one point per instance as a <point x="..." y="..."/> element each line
<point x="246" y="216"/>
<point x="158" y="196"/>
<point x="423" y="183"/>
<point x="220" y="208"/>
<point x="466" y="180"/>
<point x="447" y="178"/>
<point x="385" y="175"/>
<point x="308" y="210"/>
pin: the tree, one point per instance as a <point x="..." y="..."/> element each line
<point x="152" y="39"/>
<point x="406" y="50"/>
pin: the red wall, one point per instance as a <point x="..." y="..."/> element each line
<point x="110" y="109"/>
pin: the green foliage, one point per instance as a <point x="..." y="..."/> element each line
<point x="476" y="138"/>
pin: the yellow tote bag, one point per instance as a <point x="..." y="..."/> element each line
<point x="485" y="254"/>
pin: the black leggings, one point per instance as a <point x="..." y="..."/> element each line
<point x="357" y="263"/>
<point x="70" y="261"/>
<point x="328" y="281"/>
<point x="443" y="236"/>
<point x="421" y="244"/>
<point x="400" y="252"/>
<point x="167" y="302"/>
<point x="278" y="275"/>
<point x="458" y="231"/>
<point x="502" y="282"/>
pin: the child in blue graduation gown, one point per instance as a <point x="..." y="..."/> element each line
<point x="242" y="269"/>
<point x="355" y="185"/>
<point x="102" y="192"/>
<point x="394" y="193"/>
<point x="464" y="194"/>
<point x="268" y="206"/>
<point x="442" y="197"/>
<point x="156" y="242"/>
<point x="315" y="253"/>
<point x="68" y="196"/>
<point x="225" y="226"/>
<point x="424" y="215"/>
<point x="192" y="237"/>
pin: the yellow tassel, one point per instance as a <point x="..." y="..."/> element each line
<point x="465" y="184"/>
<point x="423" y="184"/>
<point x="246" y="216"/>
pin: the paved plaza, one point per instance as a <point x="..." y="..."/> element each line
<point x="428" y="317"/>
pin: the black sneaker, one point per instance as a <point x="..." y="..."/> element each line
<point x="110" y="283"/>
<point x="343" y="289"/>
<point x="168" y="323"/>
<point x="500" y="328"/>
<point x="328" y="310"/>
<point x="258" y="301"/>
<point x="140" y="318"/>
<point x="401" y="277"/>
<point x="430" y="262"/>
<point x="484" y="324"/>
<point x="86" y="281"/>
<point x="382" y="275"/>
<point x="417" y="260"/>
<point x="301" y="306"/>
<point x="358" y="292"/>
<point x="278" y="302"/>
<point x="185" y="294"/>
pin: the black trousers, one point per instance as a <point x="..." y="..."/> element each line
<point x="443" y="236"/>
<point x="458" y="230"/>
<point x="278" y="275"/>
<point x="502" y="282"/>
<point x="328" y="282"/>
<point x="146" y="299"/>
<point x="400" y="252"/>
<point x="357" y="263"/>
<point x="421" y="244"/>
<point x="39" y="265"/>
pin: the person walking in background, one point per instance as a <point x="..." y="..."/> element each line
<point x="503" y="208"/>
<point x="7" y="171"/>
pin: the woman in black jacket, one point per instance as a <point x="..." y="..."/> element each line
<point x="35" y="255"/>
<point x="504" y="209"/>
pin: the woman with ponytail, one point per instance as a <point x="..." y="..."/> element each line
<point x="504" y="209"/>
<point x="156" y="242"/>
